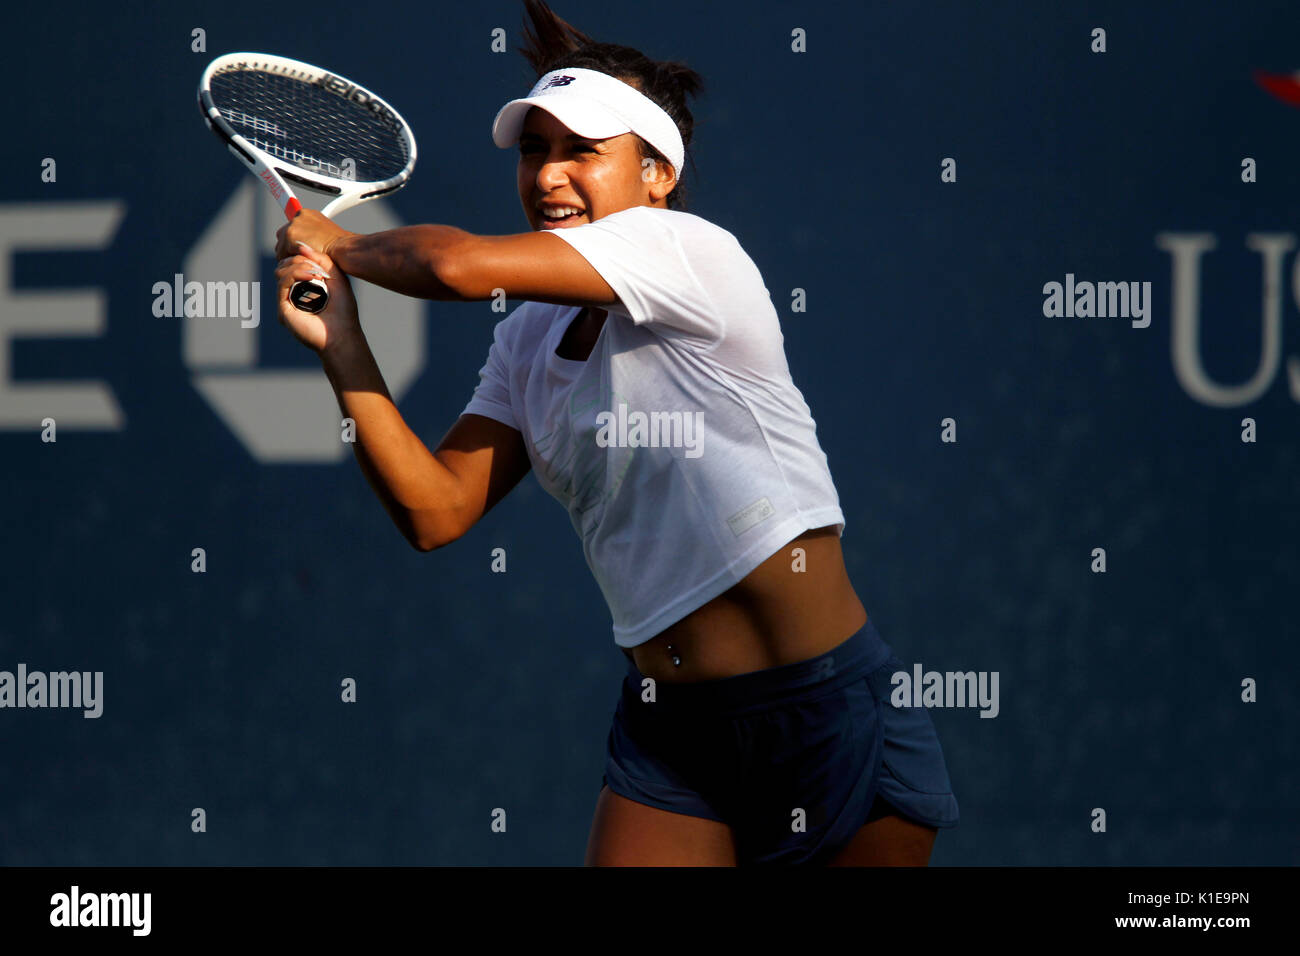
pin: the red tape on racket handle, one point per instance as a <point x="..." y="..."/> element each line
<point x="309" y="295"/>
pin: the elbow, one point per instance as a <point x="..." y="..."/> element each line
<point x="439" y="266"/>
<point x="428" y="532"/>
<point x="447" y="263"/>
<point x="418" y="540"/>
<point x="448" y="280"/>
<point x="424" y="543"/>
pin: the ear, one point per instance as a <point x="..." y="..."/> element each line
<point x="660" y="178"/>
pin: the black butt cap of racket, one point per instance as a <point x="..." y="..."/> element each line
<point x="309" y="297"/>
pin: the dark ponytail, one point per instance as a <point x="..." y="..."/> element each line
<point x="552" y="44"/>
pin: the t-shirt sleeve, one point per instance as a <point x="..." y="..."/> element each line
<point x="491" y="396"/>
<point x="642" y="254"/>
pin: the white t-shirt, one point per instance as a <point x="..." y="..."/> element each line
<point x="725" y="468"/>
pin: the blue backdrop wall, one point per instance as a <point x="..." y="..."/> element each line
<point x="1120" y="690"/>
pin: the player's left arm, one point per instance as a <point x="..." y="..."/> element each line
<point x="450" y="264"/>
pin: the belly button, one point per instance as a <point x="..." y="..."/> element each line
<point x="677" y="661"/>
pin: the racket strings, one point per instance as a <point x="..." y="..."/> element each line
<point x="308" y="126"/>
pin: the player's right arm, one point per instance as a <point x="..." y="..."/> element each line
<point x="451" y="265"/>
<point x="486" y="459"/>
<point x="432" y="497"/>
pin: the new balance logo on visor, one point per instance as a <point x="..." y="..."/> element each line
<point x="559" y="81"/>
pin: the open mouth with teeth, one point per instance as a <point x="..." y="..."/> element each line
<point x="560" y="216"/>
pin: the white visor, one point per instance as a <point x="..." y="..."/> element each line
<point x="595" y="105"/>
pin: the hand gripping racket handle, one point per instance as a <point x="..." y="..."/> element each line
<point x="309" y="295"/>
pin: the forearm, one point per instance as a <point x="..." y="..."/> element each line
<point x="409" y="260"/>
<point x="416" y="489"/>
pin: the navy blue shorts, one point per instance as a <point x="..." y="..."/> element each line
<point x="812" y="743"/>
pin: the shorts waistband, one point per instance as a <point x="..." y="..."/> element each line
<point x="851" y="660"/>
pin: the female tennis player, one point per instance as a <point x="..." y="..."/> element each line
<point x="644" y="381"/>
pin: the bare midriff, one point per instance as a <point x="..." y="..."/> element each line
<point x="776" y="615"/>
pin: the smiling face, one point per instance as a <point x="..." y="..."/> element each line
<point x="558" y="168"/>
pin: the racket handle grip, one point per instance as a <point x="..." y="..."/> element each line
<point x="309" y="295"/>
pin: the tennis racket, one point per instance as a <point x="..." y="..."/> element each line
<point x="289" y="121"/>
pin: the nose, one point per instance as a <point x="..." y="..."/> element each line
<point x="551" y="174"/>
<point x="553" y="169"/>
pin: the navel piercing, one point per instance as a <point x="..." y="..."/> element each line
<point x="677" y="661"/>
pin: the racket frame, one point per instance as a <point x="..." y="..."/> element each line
<point x="276" y="173"/>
